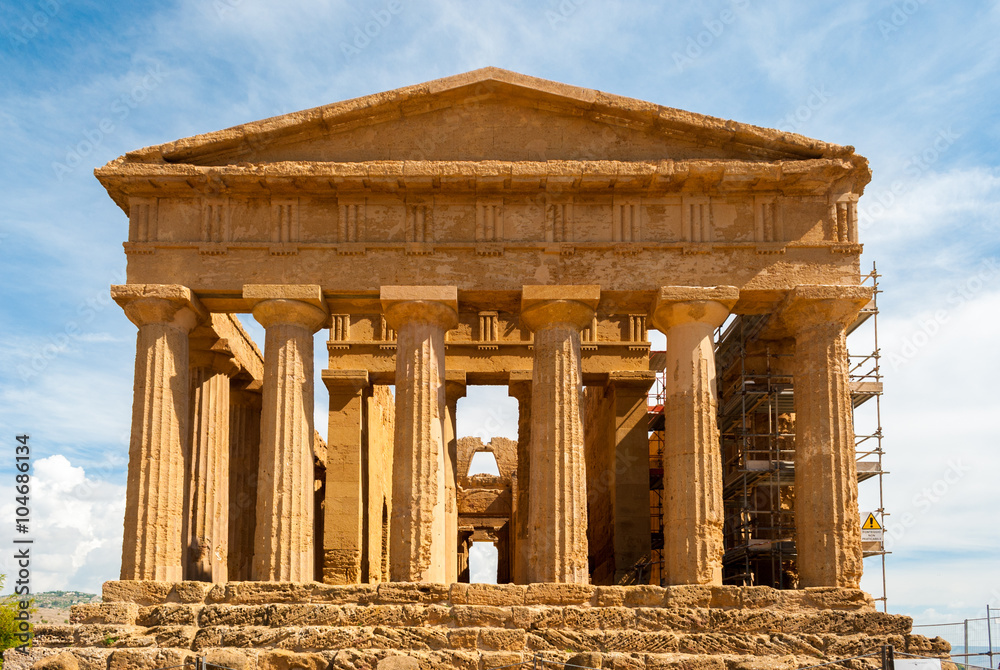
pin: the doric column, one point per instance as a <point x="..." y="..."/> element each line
<point x="827" y="533"/>
<point x="631" y="475"/>
<point x="420" y="315"/>
<point x="557" y="516"/>
<point x="283" y="542"/>
<point x="692" y="465"/>
<point x="154" y="500"/>
<point x="206" y="517"/>
<point x="244" y="455"/>
<point x="344" y="505"/>
<point x="454" y="388"/>
<point x="519" y="388"/>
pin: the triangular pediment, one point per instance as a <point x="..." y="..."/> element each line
<point x="488" y="114"/>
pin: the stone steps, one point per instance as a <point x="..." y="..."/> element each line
<point x="262" y="626"/>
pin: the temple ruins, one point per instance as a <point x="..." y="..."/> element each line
<point x="488" y="228"/>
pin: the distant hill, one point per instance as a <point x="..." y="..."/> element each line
<point x="63" y="599"/>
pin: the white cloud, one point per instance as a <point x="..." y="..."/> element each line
<point x="76" y="525"/>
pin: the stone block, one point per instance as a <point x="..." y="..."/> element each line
<point x="558" y="594"/>
<point x="351" y="594"/>
<point x="553" y="639"/>
<point x="237" y="659"/>
<point x="482" y="615"/>
<point x="458" y="594"/>
<point x="745" y="621"/>
<point x="62" y="661"/>
<point x="374" y="615"/>
<point x="190" y="592"/>
<point x="406" y="592"/>
<point x="688" y="595"/>
<point x="754" y="597"/>
<point x="147" y="659"/>
<point x="398" y="663"/>
<point x="171" y="614"/>
<point x="645" y="596"/>
<point x="405" y="638"/>
<point x="920" y="644"/>
<point x="449" y="659"/>
<point x="254" y="593"/>
<point x="113" y="613"/>
<point x="530" y="617"/>
<point x="319" y="638"/>
<point x="233" y="615"/>
<point x="498" y="659"/>
<point x="623" y="661"/>
<point x="832" y="598"/>
<point x="594" y="618"/>
<point x="675" y="662"/>
<point x="588" y="659"/>
<point x="681" y="619"/>
<point x="495" y="594"/>
<point x="287" y="660"/>
<point x="136" y="591"/>
<point x="501" y="639"/>
<point x="626" y="641"/>
<point x="609" y="596"/>
<point x="726" y="597"/>
<point x="463" y="638"/>
<point x="95" y="635"/>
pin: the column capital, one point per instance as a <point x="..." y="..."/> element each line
<point x="170" y="304"/>
<point x="345" y="381"/>
<point x="676" y="305"/>
<point x="210" y="351"/>
<point x="545" y="306"/>
<point x="635" y="382"/>
<point x="295" y="304"/>
<point x="430" y="304"/>
<point x="811" y="306"/>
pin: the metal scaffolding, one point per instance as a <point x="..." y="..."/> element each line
<point x="756" y="413"/>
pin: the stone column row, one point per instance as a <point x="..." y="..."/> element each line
<point x="177" y="517"/>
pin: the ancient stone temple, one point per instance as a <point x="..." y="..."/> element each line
<point x="483" y="229"/>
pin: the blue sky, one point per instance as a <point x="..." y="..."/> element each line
<point x="913" y="85"/>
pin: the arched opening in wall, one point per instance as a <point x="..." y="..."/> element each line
<point x="484" y="463"/>
<point x="483" y="563"/>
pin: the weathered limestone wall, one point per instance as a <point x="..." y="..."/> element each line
<point x="276" y="626"/>
<point x="599" y="446"/>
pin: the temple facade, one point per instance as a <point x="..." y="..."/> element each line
<point x="484" y="229"/>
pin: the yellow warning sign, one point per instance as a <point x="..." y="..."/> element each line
<point x="871" y="523"/>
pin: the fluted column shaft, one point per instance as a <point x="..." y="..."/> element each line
<point x="244" y="456"/>
<point x="206" y="519"/>
<point x="827" y="531"/>
<point x="692" y="464"/>
<point x="154" y="499"/>
<point x="283" y="543"/>
<point x="557" y="516"/>
<point x="420" y="316"/>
